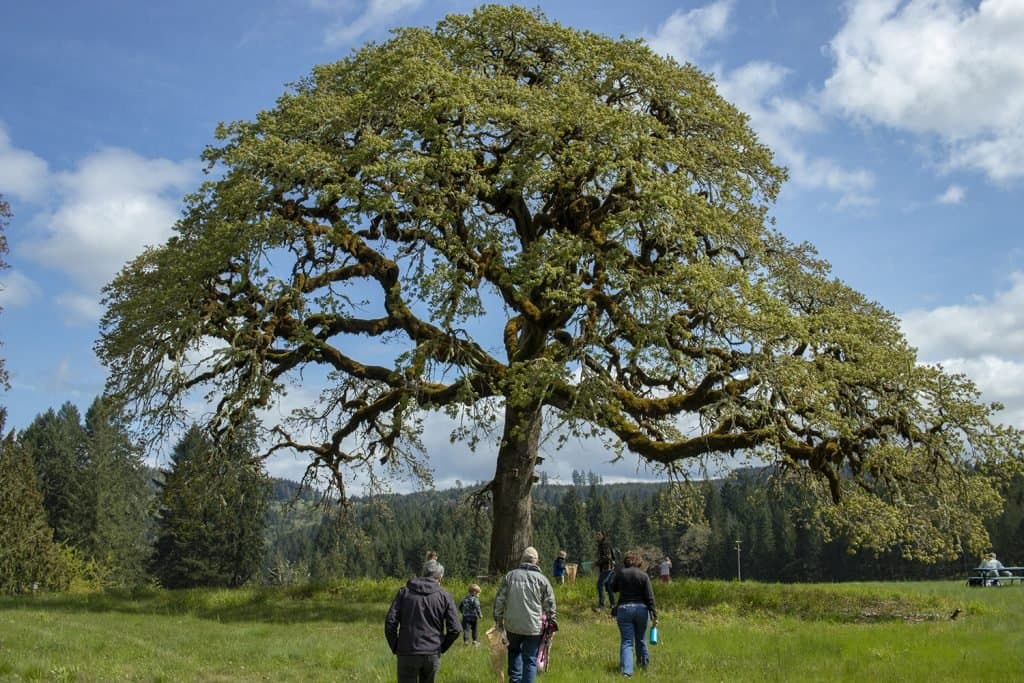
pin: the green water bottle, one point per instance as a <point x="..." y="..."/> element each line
<point x="654" y="635"/>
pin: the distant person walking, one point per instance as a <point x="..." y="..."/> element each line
<point x="421" y="625"/>
<point x="524" y="598"/>
<point x="633" y="611"/>
<point x="605" y="567"/>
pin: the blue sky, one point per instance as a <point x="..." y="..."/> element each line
<point x="901" y="124"/>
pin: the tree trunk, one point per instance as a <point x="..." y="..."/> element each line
<point x="512" y="528"/>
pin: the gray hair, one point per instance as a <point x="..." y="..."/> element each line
<point x="433" y="569"/>
<point x="530" y="555"/>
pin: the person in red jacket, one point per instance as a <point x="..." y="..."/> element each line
<point x="421" y="624"/>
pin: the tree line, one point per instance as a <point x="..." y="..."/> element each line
<point x="744" y="525"/>
<point x="79" y="506"/>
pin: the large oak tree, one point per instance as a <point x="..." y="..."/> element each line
<point x="546" y="231"/>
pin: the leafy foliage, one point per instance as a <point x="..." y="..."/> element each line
<point x="608" y="212"/>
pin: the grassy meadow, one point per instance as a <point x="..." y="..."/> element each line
<point x="710" y="631"/>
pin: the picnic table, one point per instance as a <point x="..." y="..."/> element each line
<point x="982" y="577"/>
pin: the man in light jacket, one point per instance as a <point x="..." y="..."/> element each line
<point x="524" y="598"/>
<point x="421" y="625"/>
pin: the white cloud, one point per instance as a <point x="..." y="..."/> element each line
<point x="375" y="15"/>
<point x="111" y="206"/>
<point x="983" y="339"/>
<point x="939" y="67"/>
<point x="17" y="289"/>
<point x="954" y="194"/>
<point x="985" y="327"/>
<point x="684" y="35"/>
<point x="80" y="307"/>
<point x="999" y="380"/>
<point x="22" y="173"/>
<point x="781" y="121"/>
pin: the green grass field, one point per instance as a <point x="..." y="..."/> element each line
<point x="710" y="631"/>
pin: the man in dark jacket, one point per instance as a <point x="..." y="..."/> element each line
<point x="421" y="625"/>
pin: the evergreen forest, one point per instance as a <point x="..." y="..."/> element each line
<point x="80" y="509"/>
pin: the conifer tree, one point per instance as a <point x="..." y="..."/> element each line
<point x="58" y="441"/>
<point x="577" y="535"/>
<point x="212" y="507"/>
<point x="28" y="555"/>
<point x="121" y="498"/>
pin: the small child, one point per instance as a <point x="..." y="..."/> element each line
<point x="558" y="570"/>
<point x="471" y="612"/>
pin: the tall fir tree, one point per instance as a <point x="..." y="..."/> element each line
<point x="210" y="520"/>
<point x="121" y="497"/>
<point x="58" y="441"/>
<point x="577" y="536"/>
<point x="28" y="555"/>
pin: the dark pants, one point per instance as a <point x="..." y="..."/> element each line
<point x="418" y="668"/>
<point x="604" y="583"/>
<point x="468" y="625"/>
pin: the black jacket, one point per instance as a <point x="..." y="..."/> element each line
<point x="605" y="557"/>
<point x="633" y="585"/>
<point x="422" y="619"/>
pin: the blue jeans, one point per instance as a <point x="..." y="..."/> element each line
<point x="604" y="582"/>
<point x="632" y="620"/>
<point x="522" y="658"/>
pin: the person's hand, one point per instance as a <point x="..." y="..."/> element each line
<point x="554" y="624"/>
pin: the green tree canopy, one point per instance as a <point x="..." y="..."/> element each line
<point x="547" y="231"/>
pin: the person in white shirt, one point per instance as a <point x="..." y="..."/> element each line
<point x="666" y="570"/>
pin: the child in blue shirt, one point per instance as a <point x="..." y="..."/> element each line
<point x="471" y="612"/>
<point x="558" y="570"/>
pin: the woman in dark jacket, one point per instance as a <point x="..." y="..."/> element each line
<point x="633" y="611"/>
